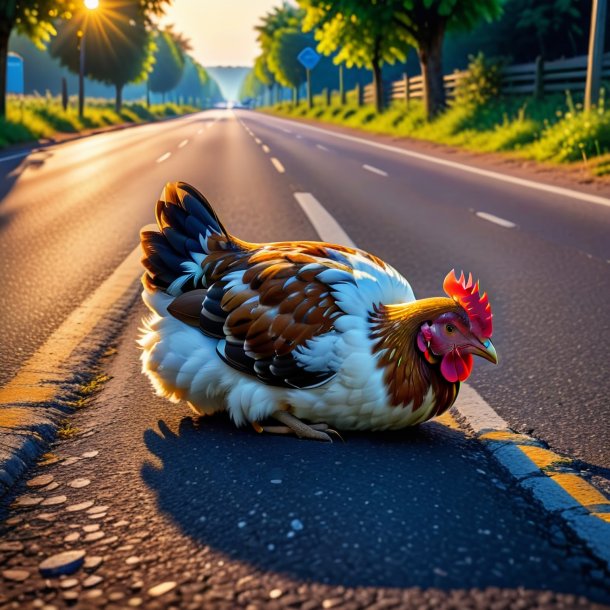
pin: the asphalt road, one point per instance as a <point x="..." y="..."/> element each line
<point x="71" y="213"/>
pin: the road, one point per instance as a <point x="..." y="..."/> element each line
<point x="71" y="213"/>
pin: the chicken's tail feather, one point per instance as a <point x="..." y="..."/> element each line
<point x="189" y="230"/>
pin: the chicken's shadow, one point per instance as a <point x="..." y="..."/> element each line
<point x="392" y="509"/>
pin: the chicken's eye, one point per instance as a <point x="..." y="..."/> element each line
<point x="450" y="328"/>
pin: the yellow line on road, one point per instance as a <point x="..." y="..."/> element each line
<point x="37" y="380"/>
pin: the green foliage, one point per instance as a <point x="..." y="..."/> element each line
<point x="554" y="130"/>
<point x="576" y="136"/>
<point x="283" y="62"/>
<point x="39" y="117"/>
<point x="481" y="83"/>
<point x="118" y="47"/>
<point x="361" y="32"/>
<point x="251" y="86"/>
<point x="169" y="64"/>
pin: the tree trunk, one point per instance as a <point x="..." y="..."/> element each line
<point x="118" y="98"/>
<point x="431" y="61"/>
<point x="5" y="32"/>
<point x="147" y="94"/>
<point x="377" y="86"/>
<point x="377" y="82"/>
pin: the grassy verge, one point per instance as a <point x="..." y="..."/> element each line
<point x="554" y="130"/>
<point x="39" y="117"/>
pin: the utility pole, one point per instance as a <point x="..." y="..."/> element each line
<point x="81" y="76"/>
<point x="596" y="52"/>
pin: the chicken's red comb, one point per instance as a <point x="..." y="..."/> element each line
<point x="467" y="295"/>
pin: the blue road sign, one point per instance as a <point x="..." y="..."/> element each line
<point x="309" y="58"/>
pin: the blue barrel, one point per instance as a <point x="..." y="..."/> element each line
<point x="14" y="73"/>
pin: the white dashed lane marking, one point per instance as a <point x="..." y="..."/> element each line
<point x="183" y="143"/>
<point x="265" y="148"/>
<point x="277" y="165"/>
<point x="374" y="170"/>
<point x="321" y="147"/>
<point x="164" y="157"/>
<point x="507" y="224"/>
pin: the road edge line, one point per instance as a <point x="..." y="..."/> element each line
<point x="34" y="401"/>
<point x="541" y="473"/>
<point x="523" y="182"/>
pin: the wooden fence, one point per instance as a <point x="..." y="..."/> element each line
<point x="536" y="78"/>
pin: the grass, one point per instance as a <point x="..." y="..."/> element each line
<point x="89" y="389"/>
<point x="67" y="430"/>
<point x="555" y="130"/>
<point x="37" y="117"/>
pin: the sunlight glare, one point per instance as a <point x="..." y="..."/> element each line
<point x="91" y="4"/>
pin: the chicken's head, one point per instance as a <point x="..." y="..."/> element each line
<point x="455" y="337"/>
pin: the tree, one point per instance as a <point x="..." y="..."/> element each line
<point x="118" y="46"/>
<point x="281" y="17"/>
<point x="34" y="18"/>
<point x="282" y="59"/>
<point x="362" y="32"/>
<point x="169" y="64"/>
<point x="424" y="23"/>
<point x="251" y="87"/>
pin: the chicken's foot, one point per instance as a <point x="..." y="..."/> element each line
<point x="293" y="425"/>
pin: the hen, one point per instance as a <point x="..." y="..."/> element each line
<point x="298" y="330"/>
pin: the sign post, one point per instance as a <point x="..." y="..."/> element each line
<point x="596" y="53"/>
<point x="309" y="59"/>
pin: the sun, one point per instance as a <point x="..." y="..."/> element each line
<point x="91" y="4"/>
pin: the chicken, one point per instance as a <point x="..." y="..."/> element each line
<point x="296" y="331"/>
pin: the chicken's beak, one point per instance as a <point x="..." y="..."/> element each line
<point x="486" y="350"/>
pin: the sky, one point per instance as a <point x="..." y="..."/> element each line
<point x="221" y="31"/>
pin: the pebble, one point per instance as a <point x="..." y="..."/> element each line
<point x="10" y="546"/>
<point x="69" y="461"/>
<point x="68" y="583"/>
<point x="53" y="501"/>
<point x="134" y="602"/>
<point x="276" y="482"/>
<point x="92" y="527"/>
<point x="93" y="536"/>
<point x="15" y="575"/>
<point x="73" y="537"/>
<point x="48" y="517"/>
<point x="98" y="516"/>
<point x="41" y="481"/>
<point x="97" y="509"/>
<point x="94" y="593"/>
<point x="78" y="483"/>
<point x="296" y="525"/>
<point x="62" y="563"/>
<point x="70" y="596"/>
<point x="116" y="596"/>
<point x="50" y="487"/>
<point x="161" y="589"/>
<point x="27" y="500"/>
<point x="93" y="562"/>
<point x="92" y="581"/>
<point x="90" y="454"/>
<point x="13" y="520"/>
<point x="82" y="506"/>
<point x="109" y="540"/>
<point x="275" y="593"/>
<point x="130" y="561"/>
<point x="48" y="461"/>
<point x="121" y="523"/>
